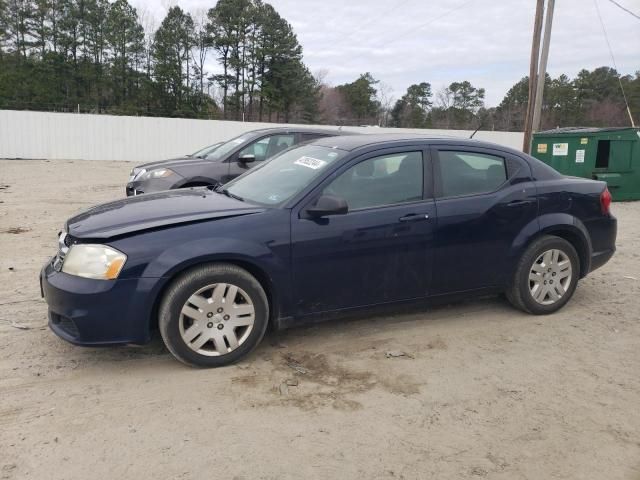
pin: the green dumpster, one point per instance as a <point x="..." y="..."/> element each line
<point x="608" y="154"/>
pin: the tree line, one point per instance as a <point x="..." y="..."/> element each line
<point x="102" y="56"/>
<point x="592" y="98"/>
<point x="96" y="56"/>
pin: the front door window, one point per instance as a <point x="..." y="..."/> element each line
<point x="267" y="147"/>
<point x="385" y="180"/>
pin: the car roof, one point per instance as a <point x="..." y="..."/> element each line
<point x="293" y="129"/>
<point x="354" y="142"/>
<point x="584" y="130"/>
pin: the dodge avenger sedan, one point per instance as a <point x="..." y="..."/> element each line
<point x="338" y="224"/>
<point x="220" y="164"/>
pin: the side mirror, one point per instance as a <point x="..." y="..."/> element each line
<point x="247" y="158"/>
<point x="328" y="205"/>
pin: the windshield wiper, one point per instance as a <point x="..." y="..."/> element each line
<point x="232" y="195"/>
<point x="219" y="188"/>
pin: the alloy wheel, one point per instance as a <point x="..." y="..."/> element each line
<point x="217" y="319"/>
<point x="550" y="277"/>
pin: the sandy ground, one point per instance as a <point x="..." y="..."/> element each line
<point x="487" y="392"/>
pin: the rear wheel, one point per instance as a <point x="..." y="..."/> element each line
<point x="546" y="276"/>
<point x="213" y="315"/>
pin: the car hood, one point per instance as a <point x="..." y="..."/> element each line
<point x="187" y="167"/>
<point x="176" y="163"/>
<point x="135" y="214"/>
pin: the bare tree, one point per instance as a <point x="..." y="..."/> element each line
<point x="444" y="103"/>
<point x="444" y="98"/>
<point x="320" y="76"/>
<point x="332" y="105"/>
<point x="386" y="100"/>
<point x="202" y="44"/>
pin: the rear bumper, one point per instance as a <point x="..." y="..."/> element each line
<point x="88" y="312"/>
<point x="598" y="259"/>
<point x="603" y="241"/>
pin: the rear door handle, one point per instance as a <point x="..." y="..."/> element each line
<point x="414" y="217"/>
<point x="518" y="203"/>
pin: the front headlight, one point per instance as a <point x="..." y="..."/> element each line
<point x="94" y="261"/>
<point x="157" y="173"/>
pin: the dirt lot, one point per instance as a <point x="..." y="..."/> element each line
<point x="487" y="392"/>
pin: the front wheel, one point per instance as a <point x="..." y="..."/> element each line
<point x="546" y="276"/>
<point x="213" y="315"/>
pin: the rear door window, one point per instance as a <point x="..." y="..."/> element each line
<point x="470" y="173"/>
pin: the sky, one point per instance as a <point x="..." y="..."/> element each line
<point x="487" y="42"/>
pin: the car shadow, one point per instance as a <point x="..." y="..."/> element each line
<point x="357" y="325"/>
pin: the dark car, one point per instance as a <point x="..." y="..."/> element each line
<point x="223" y="163"/>
<point x="334" y="225"/>
<point x="138" y="172"/>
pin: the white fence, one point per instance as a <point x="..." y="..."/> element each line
<point x="106" y="137"/>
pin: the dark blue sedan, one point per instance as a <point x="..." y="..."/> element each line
<point x="338" y="224"/>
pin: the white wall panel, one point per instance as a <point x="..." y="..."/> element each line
<point x="105" y="137"/>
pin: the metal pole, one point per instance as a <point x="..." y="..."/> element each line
<point x="533" y="73"/>
<point x="542" y="71"/>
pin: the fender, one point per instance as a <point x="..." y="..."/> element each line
<point x="196" y="179"/>
<point x="561" y="224"/>
<point x="257" y="258"/>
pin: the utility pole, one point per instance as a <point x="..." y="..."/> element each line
<point x="542" y="71"/>
<point x="533" y="73"/>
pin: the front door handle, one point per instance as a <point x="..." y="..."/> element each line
<point x="414" y="217"/>
<point x="519" y="203"/>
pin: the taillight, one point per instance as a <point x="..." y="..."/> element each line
<point x="605" y="201"/>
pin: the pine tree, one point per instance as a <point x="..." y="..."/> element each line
<point x="171" y="48"/>
<point x="125" y="41"/>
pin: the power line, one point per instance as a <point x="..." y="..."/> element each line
<point x="606" y="37"/>
<point x="395" y="7"/>
<point x="422" y="25"/>
<point x="625" y="9"/>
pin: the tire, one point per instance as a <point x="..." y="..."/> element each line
<point x="227" y="308"/>
<point x="540" y="276"/>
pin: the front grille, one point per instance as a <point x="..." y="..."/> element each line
<point x="65" y="324"/>
<point x="64" y="242"/>
<point x="132" y="192"/>
<point x="69" y="240"/>
<point x="57" y="262"/>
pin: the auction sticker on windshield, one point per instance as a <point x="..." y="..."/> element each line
<point x="310" y="162"/>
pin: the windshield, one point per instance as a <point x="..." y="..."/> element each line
<point x="224" y="148"/>
<point x="277" y="180"/>
<point x="205" y="151"/>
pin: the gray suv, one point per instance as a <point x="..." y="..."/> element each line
<point x="227" y="161"/>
